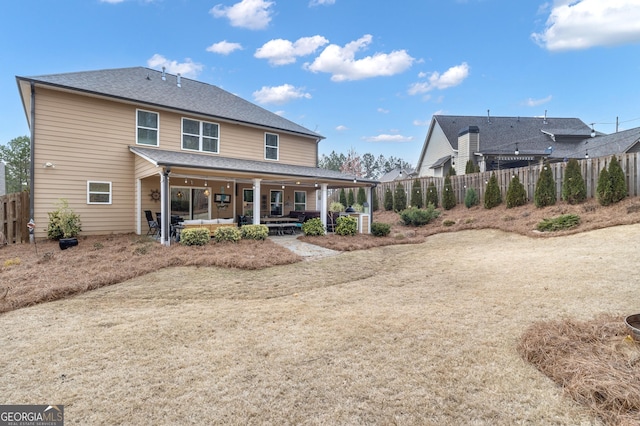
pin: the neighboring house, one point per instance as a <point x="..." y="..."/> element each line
<point x="117" y="142"/>
<point x="398" y="174"/>
<point x="494" y="143"/>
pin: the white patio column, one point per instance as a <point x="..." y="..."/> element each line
<point x="164" y="179"/>
<point x="323" y="205"/>
<point x="256" y="201"/>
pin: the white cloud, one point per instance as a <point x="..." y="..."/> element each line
<point x="251" y="14"/>
<point x="536" y="102"/>
<point x="422" y="123"/>
<point x="283" y="52"/>
<point x="279" y="94"/>
<point x="383" y="111"/>
<point x="186" y="69"/>
<point x="342" y="128"/>
<point x="341" y="62"/>
<point x="388" y="138"/>
<point x="450" y="78"/>
<point x="224" y="47"/>
<point x="321" y="2"/>
<point x="587" y="23"/>
<point x="111" y="1"/>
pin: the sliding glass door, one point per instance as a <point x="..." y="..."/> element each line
<point x="190" y="203"/>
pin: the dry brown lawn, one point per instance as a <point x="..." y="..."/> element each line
<point x="436" y="332"/>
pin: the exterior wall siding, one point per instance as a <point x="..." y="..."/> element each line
<point x="438" y="147"/>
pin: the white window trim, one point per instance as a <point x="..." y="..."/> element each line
<point x="89" y="192"/>
<point x="150" y="128"/>
<point x="200" y="136"/>
<point x="294" y="199"/>
<point x="268" y="146"/>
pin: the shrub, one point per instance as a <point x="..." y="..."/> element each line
<point x="227" y="234"/>
<point x="574" y="190"/>
<point x="362" y="196"/>
<point x="358" y="207"/>
<point x="432" y="194"/>
<point x="194" y="237"/>
<point x="63" y="222"/>
<point x="313" y="227"/>
<point x="254" y="232"/>
<point x="346" y="225"/>
<point x="492" y="195"/>
<point x="516" y="194"/>
<point x="471" y="198"/>
<point x="388" y="200"/>
<point x="336" y="207"/>
<point x="618" y="184"/>
<point x="351" y="199"/>
<point x="470" y="167"/>
<point x="416" y="194"/>
<point x="559" y="223"/>
<point x="545" y="193"/>
<point x="603" y="190"/>
<point x="343" y="197"/>
<point x="374" y="201"/>
<point x="418" y="217"/>
<point x="448" y="197"/>
<point x="379" y="229"/>
<point x="448" y="222"/>
<point x="399" y="198"/>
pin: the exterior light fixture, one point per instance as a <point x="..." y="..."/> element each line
<point x="586" y="154"/>
<point x="593" y="131"/>
<point x="517" y="151"/>
<point x="206" y="192"/>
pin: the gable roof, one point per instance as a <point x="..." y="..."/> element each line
<point x="146" y="86"/>
<point x="615" y="143"/>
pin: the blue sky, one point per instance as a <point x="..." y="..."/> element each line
<point x="367" y="75"/>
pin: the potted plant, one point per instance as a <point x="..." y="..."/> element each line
<point x="64" y="225"/>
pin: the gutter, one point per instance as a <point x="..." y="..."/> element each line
<point x="32" y="156"/>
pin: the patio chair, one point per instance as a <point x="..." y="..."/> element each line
<point x="154" y="228"/>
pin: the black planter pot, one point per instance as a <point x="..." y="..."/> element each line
<point x="65" y="243"/>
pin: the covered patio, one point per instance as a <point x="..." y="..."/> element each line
<point x="196" y="186"/>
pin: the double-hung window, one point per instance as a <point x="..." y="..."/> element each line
<point x="200" y="136"/>
<point x="271" y="149"/>
<point x="98" y="192"/>
<point x="147" y="127"/>
<point x="299" y="200"/>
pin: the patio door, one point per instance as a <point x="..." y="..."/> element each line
<point x="276" y="203"/>
<point x="190" y="203"/>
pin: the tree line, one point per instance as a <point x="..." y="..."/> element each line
<point x="367" y="166"/>
<point x="16" y="156"/>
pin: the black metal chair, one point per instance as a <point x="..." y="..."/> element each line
<point x="154" y="228"/>
<point x="242" y="220"/>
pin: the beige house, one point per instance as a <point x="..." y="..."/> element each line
<point x="117" y="142"/>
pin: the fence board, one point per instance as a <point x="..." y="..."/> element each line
<point x="14" y="216"/>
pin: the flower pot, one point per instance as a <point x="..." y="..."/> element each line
<point x="65" y="243"/>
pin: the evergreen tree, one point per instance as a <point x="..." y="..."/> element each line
<point x="375" y="205"/>
<point x="574" y="190"/>
<point x="469" y="167"/>
<point x="351" y="199"/>
<point x="416" y="195"/>
<point x="17" y="157"/>
<point x="603" y="190"/>
<point x="362" y="196"/>
<point x="492" y="195"/>
<point x="343" y="197"/>
<point x="432" y="194"/>
<point x="471" y="198"/>
<point x="399" y="198"/>
<point x="448" y="197"/>
<point x="388" y="200"/>
<point x="516" y="194"/>
<point x="617" y="178"/>
<point x="545" y="193"/>
<point x="452" y="171"/>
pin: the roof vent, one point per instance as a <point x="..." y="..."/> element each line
<point x="164" y="74"/>
<point x="488" y="117"/>
<point x="545" y="117"/>
<point x="178" y="80"/>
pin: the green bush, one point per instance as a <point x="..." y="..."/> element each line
<point x="227" y="234"/>
<point x="448" y="197"/>
<point x="545" y="193"/>
<point x="375" y="205"/>
<point x="418" y="217"/>
<point x="195" y="237"/>
<point x="516" y="194"/>
<point x="388" y="200"/>
<point x="351" y="199"/>
<point x="574" y="190"/>
<point x="432" y="194"/>
<point x="362" y="196"/>
<point x="379" y="229"/>
<point x="492" y="195"/>
<point x="399" y="198"/>
<point x="416" y="194"/>
<point x="343" y="197"/>
<point x="470" y="168"/>
<point x="603" y="190"/>
<point x="346" y="225"/>
<point x="471" y="198"/>
<point x="254" y="232"/>
<point x="618" y="184"/>
<point x="63" y="222"/>
<point x="336" y="206"/>
<point x="313" y="227"/>
<point x="559" y="223"/>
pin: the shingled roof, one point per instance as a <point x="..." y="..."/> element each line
<point x="146" y="86"/>
<point x="498" y="135"/>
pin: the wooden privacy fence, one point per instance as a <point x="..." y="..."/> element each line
<point x="14" y="216"/>
<point x="590" y="169"/>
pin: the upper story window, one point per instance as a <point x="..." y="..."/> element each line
<point x="271" y="149"/>
<point x="98" y="192"/>
<point x="147" y="127"/>
<point x="200" y="136"/>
